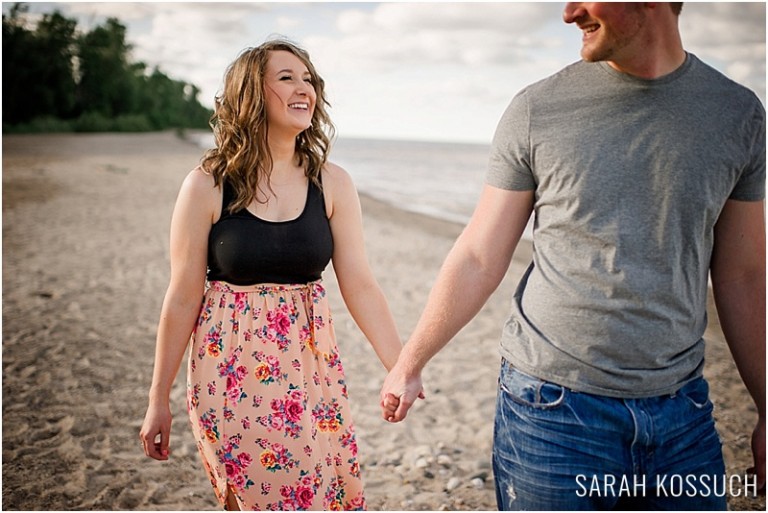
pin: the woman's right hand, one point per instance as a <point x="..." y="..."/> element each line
<point x="156" y="431"/>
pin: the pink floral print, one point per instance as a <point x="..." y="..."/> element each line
<point x="235" y="463"/>
<point x="327" y="416"/>
<point x="267" y="400"/>
<point x="286" y="414"/>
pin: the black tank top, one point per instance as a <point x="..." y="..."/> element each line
<point x="244" y="249"/>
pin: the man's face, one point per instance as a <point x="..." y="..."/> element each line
<point x="611" y="31"/>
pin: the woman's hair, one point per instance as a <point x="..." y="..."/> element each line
<point x="240" y="126"/>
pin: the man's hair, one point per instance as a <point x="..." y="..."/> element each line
<point x="676" y="7"/>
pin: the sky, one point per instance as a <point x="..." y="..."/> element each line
<point x="438" y="71"/>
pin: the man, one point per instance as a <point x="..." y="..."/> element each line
<point x="645" y="170"/>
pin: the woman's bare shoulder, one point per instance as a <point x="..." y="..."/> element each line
<point x="199" y="188"/>
<point x="336" y="177"/>
<point x="338" y="187"/>
<point x="200" y="179"/>
<point x="200" y="185"/>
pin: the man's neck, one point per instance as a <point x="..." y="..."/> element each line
<point x="654" y="54"/>
<point x="650" y="68"/>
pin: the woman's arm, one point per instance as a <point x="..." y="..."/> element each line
<point x="359" y="288"/>
<point x="197" y="204"/>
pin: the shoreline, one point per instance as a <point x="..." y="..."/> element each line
<point x="85" y="243"/>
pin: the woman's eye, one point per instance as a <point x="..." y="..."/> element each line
<point x="287" y="77"/>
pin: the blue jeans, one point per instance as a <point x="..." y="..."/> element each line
<point x="556" y="449"/>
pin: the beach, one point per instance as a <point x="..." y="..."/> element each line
<point x="85" y="266"/>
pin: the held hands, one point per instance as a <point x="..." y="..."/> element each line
<point x="156" y="431"/>
<point x="398" y="393"/>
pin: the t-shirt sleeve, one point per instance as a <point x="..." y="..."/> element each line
<point x="509" y="165"/>
<point x="751" y="184"/>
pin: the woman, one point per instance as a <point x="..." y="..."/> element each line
<point x="253" y="228"/>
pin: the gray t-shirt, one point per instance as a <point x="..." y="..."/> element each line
<point x="630" y="176"/>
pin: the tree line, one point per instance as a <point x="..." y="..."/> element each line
<point x="58" y="78"/>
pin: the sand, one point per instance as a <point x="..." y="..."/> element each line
<point x="85" y="266"/>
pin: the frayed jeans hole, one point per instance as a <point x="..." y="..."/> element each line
<point x="511" y="492"/>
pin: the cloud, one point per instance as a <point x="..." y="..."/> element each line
<point x="711" y="25"/>
<point x="91" y="12"/>
<point x="402" y="34"/>
<point x="407" y="17"/>
<point x="197" y="42"/>
<point x="286" y="23"/>
<point x="192" y="41"/>
<point x="443" y="70"/>
<point x="730" y="36"/>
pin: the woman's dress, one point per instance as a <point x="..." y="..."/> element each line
<point x="267" y="396"/>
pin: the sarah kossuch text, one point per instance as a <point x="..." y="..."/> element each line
<point x="669" y="485"/>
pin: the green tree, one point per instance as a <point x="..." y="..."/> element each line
<point x="17" y="70"/>
<point x="106" y="82"/>
<point x="55" y="79"/>
<point x="172" y="103"/>
<point x="37" y="66"/>
<point x="56" y="40"/>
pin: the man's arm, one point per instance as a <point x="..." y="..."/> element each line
<point x="471" y="272"/>
<point x="738" y="283"/>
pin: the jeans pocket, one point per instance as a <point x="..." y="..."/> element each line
<point x="696" y="393"/>
<point x="528" y="390"/>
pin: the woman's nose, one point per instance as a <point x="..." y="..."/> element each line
<point x="305" y="88"/>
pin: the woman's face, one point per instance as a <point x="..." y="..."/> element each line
<point x="289" y="93"/>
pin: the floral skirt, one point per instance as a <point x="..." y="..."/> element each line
<point x="267" y="399"/>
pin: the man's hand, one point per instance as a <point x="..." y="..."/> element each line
<point x="398" y="393"/>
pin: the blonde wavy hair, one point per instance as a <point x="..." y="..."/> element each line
<point x="240" y="127"/>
